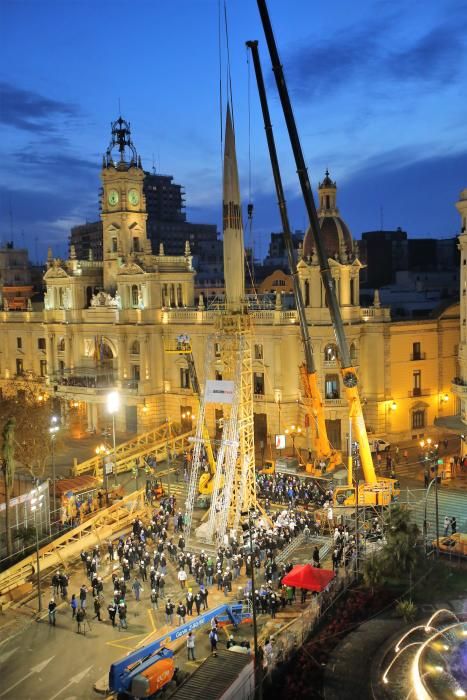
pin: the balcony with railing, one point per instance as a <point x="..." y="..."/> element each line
<point x="459" y="386"/>
<point x="86" y="379"/>
<point x="418" y="391"/>
<point x="416" y="356"/>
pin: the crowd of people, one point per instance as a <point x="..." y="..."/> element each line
<point x="292" y="490"/>
<point x="156" y="548"/>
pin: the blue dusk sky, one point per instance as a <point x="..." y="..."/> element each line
<point x="378" y="87"/>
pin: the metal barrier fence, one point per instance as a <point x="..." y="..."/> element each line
<point x="290" y="638"/>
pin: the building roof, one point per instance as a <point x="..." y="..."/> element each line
<point x="327" y="182"/>
<point x="335" y="235"/>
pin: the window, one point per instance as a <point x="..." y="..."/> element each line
<point x="353" y="352"/>
<point x="418" y="419"/>
<point x="417" y="383"/>
<point x="61" y="368"/>
<point x="61" y="345"/>
<point x="186" y="418"/>
<point x="307" y="293"/>
<point x="331" y="386"/>
<point x="330" y="353"/>
<point x="136" y="247"/>
<point x="217" y="349"/>
<point x="114" y="244"/>
<point x="184" y="378"/>
<point x="41" y="343"/>
<point x="135" y="348"/>
<point x="134" y="295"/>
<point x="416" y="351"/>
<point x="218" y="376"/>
<point x="135" y="372"/>
<point x="43" y="368"/>
<point x="258" y="383"/>
<point x="19" y="343"/>
<point x="258" y="352"/>
<point x="19" y="367"/>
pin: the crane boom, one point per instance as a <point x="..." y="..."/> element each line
<point x="308" y="373"/>
<point x="183" y="347"/>
<point x="349" y="375"/>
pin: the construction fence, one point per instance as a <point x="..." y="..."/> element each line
<point x="288" y="640"/>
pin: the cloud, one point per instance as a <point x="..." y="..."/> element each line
<point x="30" y="111"/>
<point x="370" y="55"/>
<point x="434" y="58"/>
<point x="58" y="163"/>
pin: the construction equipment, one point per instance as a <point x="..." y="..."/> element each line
<point x="374" y="489"/>
<point x="182" y="346"/>
<point x="326" y="459"/>
<point x="150" y="668"/>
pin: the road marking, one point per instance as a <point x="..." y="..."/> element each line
<point x="151" y="617"/>
<point x="7" y="654"/>
<point x="36" y="669"/>
<point x="76" y="679"/>
<point x="117" y="642"/>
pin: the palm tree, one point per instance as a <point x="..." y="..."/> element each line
<point x="401" y="551"/>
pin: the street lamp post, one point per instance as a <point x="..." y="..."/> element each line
<point x="257" y="663"/>
<point x="36" y="500"/>
<point x="104" y="451"/>
<point x="53" y="430"/>
<point x="434" y="481"/>
<point x="169" y="460"/>
<point x="293" y="431"/>
<point x="113" y="406"/>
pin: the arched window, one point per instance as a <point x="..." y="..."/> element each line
<point x="134" y="296"/>
<point x="134" y="349"/>
<point x="330" y="353"/>
<point x="61" y="345"/>
<point x="353" y="352"/>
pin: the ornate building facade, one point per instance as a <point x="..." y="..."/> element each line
<point x="105" y="323"/>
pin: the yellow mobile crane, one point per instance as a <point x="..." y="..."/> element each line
<point x="182" y="346"/>
<point x="375" y="491"/>
<point x="326" y="459"/>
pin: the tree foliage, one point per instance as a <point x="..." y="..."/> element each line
<point x="400" y="554"/>
<point x="31" y="411"/>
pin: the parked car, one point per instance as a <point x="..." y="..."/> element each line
<point x="453" y="544"/>
<point x="379" y="445"/>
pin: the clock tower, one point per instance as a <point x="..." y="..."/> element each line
<point x="123" y="204"/>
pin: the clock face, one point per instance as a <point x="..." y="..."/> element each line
<point x="133" y="197"/>
<point x="113" y="198"/>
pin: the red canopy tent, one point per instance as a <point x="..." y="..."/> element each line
<point x="309" y="577"/>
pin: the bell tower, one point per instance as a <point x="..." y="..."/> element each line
<point x="123" y="204"/>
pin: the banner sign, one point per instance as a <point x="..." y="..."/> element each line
<point x="219" y="391"/>
<point x="280" y="442"/>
